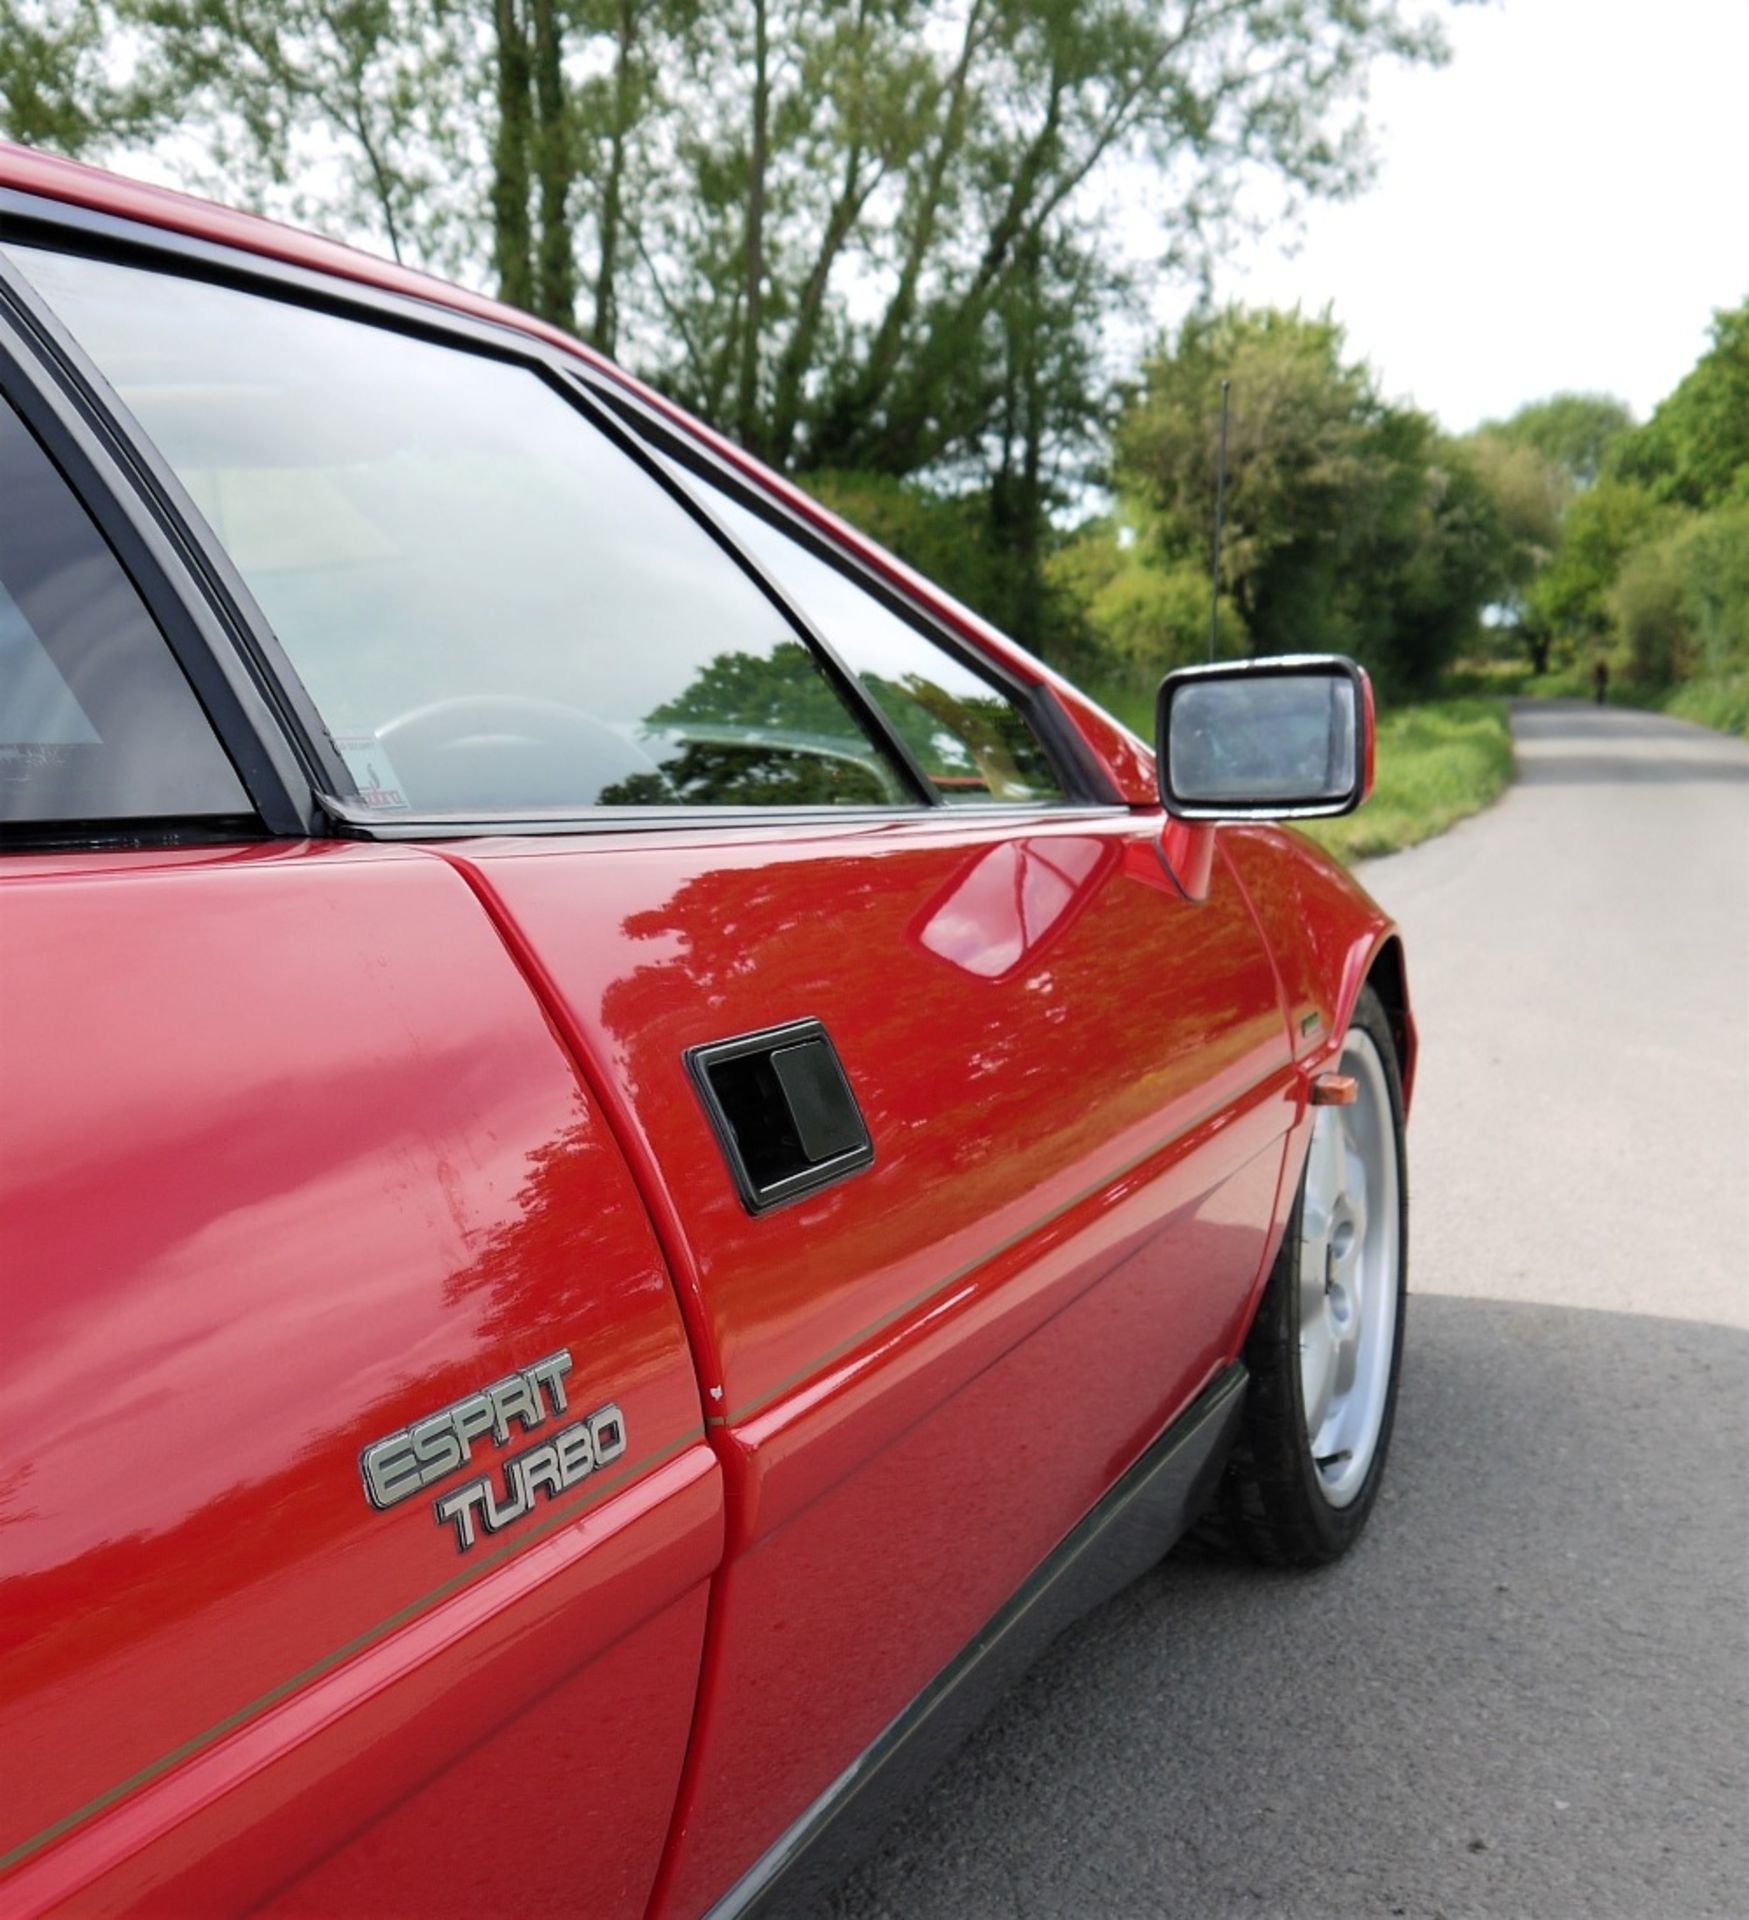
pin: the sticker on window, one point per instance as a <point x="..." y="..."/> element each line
<point x="372" y="771"/>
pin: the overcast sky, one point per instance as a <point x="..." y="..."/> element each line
<point x="1562" y="207"/>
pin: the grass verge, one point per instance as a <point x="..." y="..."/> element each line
<point x="1438" y="762"/>
<point x="1722" y="704"/>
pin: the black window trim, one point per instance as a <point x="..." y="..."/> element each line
<point x="257" y="701"/>
<point x="333" y="793"/>
<point x="156" y="565"/>
<point x="142" y="511"/>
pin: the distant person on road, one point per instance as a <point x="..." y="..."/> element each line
<point x="1600" y="681"/>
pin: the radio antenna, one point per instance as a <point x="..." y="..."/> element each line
<point x="1220" y="518"/>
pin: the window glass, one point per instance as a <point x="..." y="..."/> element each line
<point x="966" y="735"/>
<point x="491" y="605"/>
<point x="97" y="722"/>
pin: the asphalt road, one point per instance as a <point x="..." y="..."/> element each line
<point x="1527" y="1692"/>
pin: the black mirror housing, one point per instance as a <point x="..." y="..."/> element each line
<point x="1288" y="738"/>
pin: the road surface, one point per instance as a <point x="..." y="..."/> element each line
<point x="1527" y="1692"/>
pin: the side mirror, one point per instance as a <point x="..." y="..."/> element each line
<point x="1282" y="739"/>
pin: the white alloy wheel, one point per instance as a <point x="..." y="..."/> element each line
<point x="1326" y="1343"/>
<point x="1350" y="1245"/>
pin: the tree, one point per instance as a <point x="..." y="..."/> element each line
<point x="1652" y="558"/>
<point x="1601" y="525"/>
<point x="1145" y="608"/>
<point x="1351" y="524"/>
<point x="861" y="235"/>
<point x="951" y="537"/>
<point x="944" y="165"/>
<point x="1571" y="433"/>
<point x="1532" y="466"/>
<point x="343" y="113"/>
<point x="55" y="86"/>
<point x="1647" y="561"/>
<point x="1674" y="598"/>
<point x="1644" y="602"/>
<point x="1450" y="559"/>
<point x="1716" y="588"/>
<point x="1695" y="449"/>
<point x="1529" y="496"/>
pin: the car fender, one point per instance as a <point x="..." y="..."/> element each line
<point x="1328" y="939"/>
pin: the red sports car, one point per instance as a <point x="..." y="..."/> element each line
<point x="634" y="1154"/>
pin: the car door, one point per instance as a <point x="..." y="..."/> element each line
<point x="960" y="1127"/>
<point x="1072" y="1082"/>
<point x="291" y="1159"/>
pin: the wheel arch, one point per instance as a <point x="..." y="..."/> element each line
<point x="1387" y="975"/>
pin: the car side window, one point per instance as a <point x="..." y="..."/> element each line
<point x="494" y="608"/>
<point x="97" y="722"/>
<point x="967" y="735"/>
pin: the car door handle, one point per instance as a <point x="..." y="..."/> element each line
<point x="781" y="1106"/>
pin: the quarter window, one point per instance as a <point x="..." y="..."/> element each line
<point x="97" y="722"/>
<point x="494" y="608"/>
<point x="965" y="733"/>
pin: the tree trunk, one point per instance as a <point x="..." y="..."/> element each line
<point x="556" y="279"/>
<point x="849" y="427"/>
<point x="747" y="394"/>
<point x="511" y="237"/>
<point x="604" y="331"/>
<point x="1018" y="503"/>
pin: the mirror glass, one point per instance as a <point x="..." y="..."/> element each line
<point x="1264" y="740"/>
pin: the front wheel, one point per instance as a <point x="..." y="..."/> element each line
<point x="1326" y="1346"/>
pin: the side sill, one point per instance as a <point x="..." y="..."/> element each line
<point x="1124" y="1535"/>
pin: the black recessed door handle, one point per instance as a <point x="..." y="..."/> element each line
<point x="782" y="1110"/>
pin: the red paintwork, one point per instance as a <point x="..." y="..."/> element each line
<point x="1369" y="735"/>
<point x="1079" y="1116"/>
<point x="1326" y="935"/>
<point x="366" y="1127"/>
<point x="289" y="1157"/>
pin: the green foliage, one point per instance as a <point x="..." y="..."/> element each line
<point x="1571" y="433"/>
<point x="944" y="536"/>
<point x="1650" y="564"/>
<point x="1529" y="495"/>
<point x="1533" y="465"/>
<point x="56" y="89"/>
<point x="1695" y="448"/>
<point x="1144" y="610"/>
<point x="1645" y="603"/>
<point x="1716" y="588"/>
<point x="1351" y="524"/>
<point x="782" y="691"/>
<point x="1646" y="564"/>
<point x="1679" y="604"/>
<point x="1722" y="703"/>
<point x="866" y="236"/>
<point x="1154" y="618"/>
<point x="1601" y="525"/>
<point x="1449" y="563"/>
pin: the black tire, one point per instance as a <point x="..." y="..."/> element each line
<point x="1271" y="1502"/>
